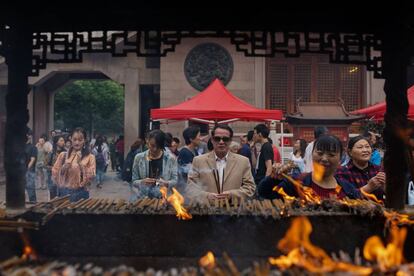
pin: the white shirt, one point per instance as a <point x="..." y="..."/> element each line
<point x="410" y="193"/>
<point x="308" y="158"/>
<point x="221" y="165"/>
<point x="298" y="161"/>
<point x="48" y="146"/>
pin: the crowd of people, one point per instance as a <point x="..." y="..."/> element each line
<point x="67" y="163"/>
<point x="208" y="167"/>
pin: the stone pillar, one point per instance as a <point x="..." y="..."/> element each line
<point x="40" y="112"/>
<point x="131" y="108"/>
<point x="30" y="106"/>
<point x="396" y="155"/>
<point x="18" y="59"/>
<point x="3" y="91"/>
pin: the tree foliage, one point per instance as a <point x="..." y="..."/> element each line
<point x="97" y="106"/>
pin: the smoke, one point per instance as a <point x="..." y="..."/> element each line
<point x="196" y="190"/>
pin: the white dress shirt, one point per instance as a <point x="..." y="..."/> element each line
<point x="221" y="165"/>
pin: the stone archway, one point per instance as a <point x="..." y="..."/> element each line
<point x="128" y="71"/>
<point x="42" y="96"/>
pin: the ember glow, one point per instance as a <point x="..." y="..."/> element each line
<point x="371" y="197"/>
<point x="28" y="251"/>
<point x="397" y="219"/>
<point x="306" y="194"/>
<point x="177" y="201"/>
<point x="388" y="256"/>
<point x="282" y="192"/>
<point x="163" y="191"/>
<point x="208" y="261"/>
<point x="302" y="253"/>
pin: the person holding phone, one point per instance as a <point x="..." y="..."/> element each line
<point x="153" y="169"/>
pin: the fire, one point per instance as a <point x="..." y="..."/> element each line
<point x="28" y="251"/>
<point x="386" y="256"/>
<point x="306" y="194"/>
<point x="302" y="253"/>
<point x="397" y="218"/>
<point x="163" y="191"/>
<point x="177" y="200"/>
<point x="371" y="197"/>
<point x="208" y="261"/>
<point x="282" y="192"/>
<point x="318" y="171"/>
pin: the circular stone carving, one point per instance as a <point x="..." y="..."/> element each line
<point x="205" y="62"/>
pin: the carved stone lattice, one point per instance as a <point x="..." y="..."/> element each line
<point x="341" y="48"/>
<point x="206" y="62"/>
<point x="363" y="49"/>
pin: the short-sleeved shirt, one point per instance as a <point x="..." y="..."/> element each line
<point x="30" y="151"/>
<point x="266" y="153"/>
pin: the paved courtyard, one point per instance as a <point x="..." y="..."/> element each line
<point x="112" y="188"/>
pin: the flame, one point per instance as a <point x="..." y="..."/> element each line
<point x="386" y="256"/>
<point x="176" y="200"/>
<point x="371" y="197"/>
<point x="302" y="253"/>
<point x="282" y="192"/>
<point x="28" y="251"/>
<point x="402" y="273"/>
<point x="397" y="218"/>
<point x="318" y="171"/>
<point x="163" y="191"/>
<point x="208" y="261"/>
<point x="306" y="194"/>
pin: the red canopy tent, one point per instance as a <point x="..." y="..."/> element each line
<point x="377" y="111"/>
<point x="215" y="104"/>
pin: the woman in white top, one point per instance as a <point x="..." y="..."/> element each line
<point x="299" y="149"/>
<point x="101" y="153"/>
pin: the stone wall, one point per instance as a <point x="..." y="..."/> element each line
<point x="247" y="81"/>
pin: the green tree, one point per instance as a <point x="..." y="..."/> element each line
<point x="97" y="106"/>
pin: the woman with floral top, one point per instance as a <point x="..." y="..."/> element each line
<point x="74" y="170"/>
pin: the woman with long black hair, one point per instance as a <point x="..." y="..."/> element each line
<point x="153" y="169"/>
<point x="75" y="169"/>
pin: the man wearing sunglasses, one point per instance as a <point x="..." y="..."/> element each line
<point x="220" y="173"/>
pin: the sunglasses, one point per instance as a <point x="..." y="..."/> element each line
<point x="219" y="138"/>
